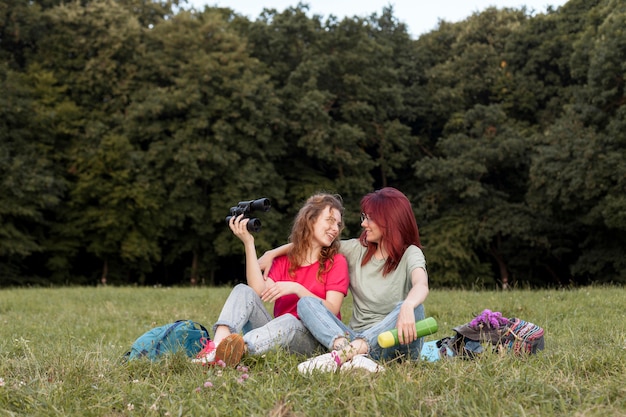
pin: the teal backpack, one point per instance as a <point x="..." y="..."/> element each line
<point x="170" y="338"/>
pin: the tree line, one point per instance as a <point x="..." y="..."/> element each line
<point x="130" y="127"/>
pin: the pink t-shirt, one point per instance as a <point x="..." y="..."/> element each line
<point x="337" y="279"/>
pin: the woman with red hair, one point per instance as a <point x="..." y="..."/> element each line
<point x="389" y="284"/>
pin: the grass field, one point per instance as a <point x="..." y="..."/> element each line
<point x="60" y="352"/>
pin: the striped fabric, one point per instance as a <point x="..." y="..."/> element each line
<point x="523" y="337"/>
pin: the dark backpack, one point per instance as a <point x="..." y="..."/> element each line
<point x="170" y="338"/>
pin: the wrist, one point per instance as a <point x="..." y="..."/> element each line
<point x="407" y="306"/>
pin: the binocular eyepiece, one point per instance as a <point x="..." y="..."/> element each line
<point x="247" y="207"/>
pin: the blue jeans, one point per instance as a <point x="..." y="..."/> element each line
<point x="244" y="311"/>
<point x="326" y="328"/>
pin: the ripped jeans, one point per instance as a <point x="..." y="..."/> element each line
<point x="326" y="328"/>
<point x="244" y="311"/>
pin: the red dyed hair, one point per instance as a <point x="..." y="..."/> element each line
<point x="391" y="211"/>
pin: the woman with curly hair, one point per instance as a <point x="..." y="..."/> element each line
<point x="312" y="268"/>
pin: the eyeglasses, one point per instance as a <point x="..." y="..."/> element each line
<point x="365" y="217"/>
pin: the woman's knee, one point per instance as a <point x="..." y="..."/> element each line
<point x="307" y="303"/>
<point x="242" y="288"/>
<point x="243" y="291"/>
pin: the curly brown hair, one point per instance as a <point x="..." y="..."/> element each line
<point x="302" y="231"/>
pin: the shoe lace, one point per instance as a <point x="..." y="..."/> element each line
<point x="208" y="347"/>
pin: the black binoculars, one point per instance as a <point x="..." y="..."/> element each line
<point x="247" y="207"/>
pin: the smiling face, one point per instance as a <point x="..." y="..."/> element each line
<point x="327" y="226"/>
<point x="373" y="233"/>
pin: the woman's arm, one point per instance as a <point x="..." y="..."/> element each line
<point x="333" y="301"/>
<point x="415" y="297"/>
<point x="274" y="291"/>
<point x="254" y="277"/>
<point x="265" y="261"/>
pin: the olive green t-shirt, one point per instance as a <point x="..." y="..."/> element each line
<point x="375" y="295"/>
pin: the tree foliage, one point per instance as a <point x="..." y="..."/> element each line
<point x="129" y="128"/>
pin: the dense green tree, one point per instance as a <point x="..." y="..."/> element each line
<point x="84" y="46"/>
<point x="578" y="170"/>
<point x="206" y="118"/>
<point x="473" y="66"/>
<point x="286" y="43"/>
<point x="128" y="128"/>
<point x="30" y="185"/>
<point x="20" y="25"/>
<point x="116" y="207"/>
<point x="431" y="50"/>
<point x="470" y="193"/>
<point x="539" y="76"/>
<point x="342" y="89"/>
<point x="571" y="171"/>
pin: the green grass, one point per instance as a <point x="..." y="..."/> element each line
<point x="60" y="352"/>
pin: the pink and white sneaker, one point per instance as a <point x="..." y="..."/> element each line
<point x="206" y="355"/>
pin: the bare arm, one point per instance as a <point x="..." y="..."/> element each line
<point x="254" y="277"/>
<point x="415" y="297"/>
<point x="275" y="290"/>
<point x="265" y="261"/>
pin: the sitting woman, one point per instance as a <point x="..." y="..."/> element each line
<point x="389" y="284"/>
<point x="312" y="267"/>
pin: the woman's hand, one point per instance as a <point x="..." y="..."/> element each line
<point x="406" y="325"/>
<point x="239" y="226"/>
<point x="274" y="290"/>
<point x="417" y="295"/>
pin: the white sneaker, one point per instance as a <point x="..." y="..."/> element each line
<point x="362" y="362"/>
<point x="322" y="363"/>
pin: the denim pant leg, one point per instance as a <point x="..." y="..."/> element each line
<point x="243" y="311"/>
<point x="322" y="324"/>
<point x="285" y="332"/>
<point x="412" y="350"/>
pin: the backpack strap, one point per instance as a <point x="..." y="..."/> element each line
<point x="177" y="324"/>
<point x="166" y="334"/>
